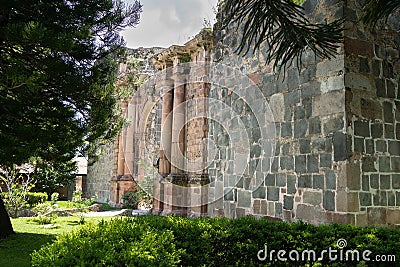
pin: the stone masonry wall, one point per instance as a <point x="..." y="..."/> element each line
<point x="336" y="152"/>
<point x="372" y="72"/>
<point x="100" y="173"/>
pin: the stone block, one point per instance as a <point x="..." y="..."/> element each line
<point x="318" y="181"/>
<point x="270" y="179"/>
<point x="272" y="193"/>
<point x="314" y="126"/>
<point x="381" y="146"/>
<point x="384" y="181"/>
<point x="240" y="213"/>
<point x="278" y="210"/>
<point x="341" y="201"/>
<point x="287" y="163"/>
<point x="277" y="106"/>
<point x="376" y="130"/>
<point x="388" y="112"/>
<point x="371" y="109"/>
<point x="365" y="183"/>
<point x="304" y="146"/>
<point x="339" y="146"/>
<point x="358" y="47"/>
<point x="376" y="68"/>
<point x="293" y="79"/>
<point x="361" y="128"/>
<point x="330" y="179"/>
<point x="380" y="198"/>
<point x="292" y="98"/>
<point x="310" y="89"/>
<point x="353" y="202"/>
<point x="312" y="164"/>
<point x="365" y="199"/>
<point x="396" y="181"/>
<point x="300" y="164"/>
<point x="353" y="175"/>
<point x="291" y="184"/>
<point x="228" y="194"/>
<point x="329" y="103"/>
<point x="369" y="146"/>
<point x="344" y="218"/>
<point x="390" y="89"/>
<point x="300" y="128"/>
<point x="256" y="207"/>
<point x="288" y="202"/>
<point x="244" y="198"/>
<point x="384" y="164"/>
<point x="364" y="65"/>
<point x="333" y="83"/>
<point x="305" y="181"/>
<point x="368" y="164"/>
<point x="376" y="216"/>
<point x="260" y="192"/>
<point x="318" y="145"/>
<point x="329" y="200"/>
<point x="374" y="181"/>
<point x="313" y="198"/>
<point x="391" y="198"/>
<point x="333" y="124"/>
<point x="380" y="85"/>
<point x="329" y="67"/>
<point x="394" y="148"/>
<point x="393" y="217"/>
<point x="325" y="160"/>
<point x="286" y="129"/>
<point x="359" y="145"/>
<point x="389" y="131"/>
<point x="305" y="212"/>
<point x="358" y="81"/>
<point x="281" y="179"/>
<point x="264" y="207"/>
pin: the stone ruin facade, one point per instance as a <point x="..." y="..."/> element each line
<point x="324" y="148"/>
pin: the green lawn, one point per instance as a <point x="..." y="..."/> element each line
<point x="15" y="250"/>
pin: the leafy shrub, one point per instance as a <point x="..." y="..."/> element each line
<point x="176" y="241"/>
<point x="114" y="243"/>
<point x="138" y="196"/>
<point x="131" y="199"/>
<point x="34" y="198"/>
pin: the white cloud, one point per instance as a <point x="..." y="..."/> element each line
<point x="167" y="22"/>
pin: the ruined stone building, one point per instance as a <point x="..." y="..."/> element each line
<point x="230" y="137"/>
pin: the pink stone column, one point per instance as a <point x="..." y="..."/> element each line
<point x="165" y="86"/>
<point x="129" y="138"/>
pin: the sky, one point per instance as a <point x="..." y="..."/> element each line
<point x="167" y="22"/>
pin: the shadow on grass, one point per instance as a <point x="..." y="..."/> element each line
<point x="16" y="249"/>
<point x="74" y="223"/>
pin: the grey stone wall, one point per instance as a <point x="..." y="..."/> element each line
<point x="336" y="137"/>
<point x="100" y="173"/>
<point x="372" y="115"/>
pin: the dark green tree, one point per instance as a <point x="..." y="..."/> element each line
<point x="283" y="27"/>
<point x="57" y="75"/>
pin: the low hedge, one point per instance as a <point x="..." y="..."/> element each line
<point x="34" y="198"/>
<point x="176" y="241"/>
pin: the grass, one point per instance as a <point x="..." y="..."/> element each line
<point x="30" y="236"/>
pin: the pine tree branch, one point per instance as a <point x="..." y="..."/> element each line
<point x="284" y="29"/>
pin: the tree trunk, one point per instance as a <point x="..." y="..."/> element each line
<point x="5" y="223"/>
